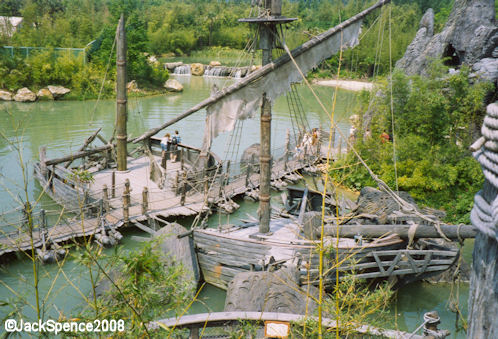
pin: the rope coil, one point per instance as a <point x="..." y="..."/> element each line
<point x="484" y="214"/>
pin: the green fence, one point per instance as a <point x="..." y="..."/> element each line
<point x="27" y="51"/>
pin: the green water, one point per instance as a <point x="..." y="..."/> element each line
<point x="63" y="126"/>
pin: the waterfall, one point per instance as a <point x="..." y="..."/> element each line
<point x="216" y="71"/>
<point x="182" y="70"/>
<point x="238" y="74"/>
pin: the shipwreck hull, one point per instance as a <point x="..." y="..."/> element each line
<point x="224" y="253"/>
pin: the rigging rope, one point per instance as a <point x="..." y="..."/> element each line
<point x="105" y="77"/>
<point x="392" y="102"/>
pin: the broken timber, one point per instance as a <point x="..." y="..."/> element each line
<point x="453" y="232"/>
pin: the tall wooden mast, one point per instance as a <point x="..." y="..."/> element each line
<point x="121" y="115"/>
<point x="267" y="26"/>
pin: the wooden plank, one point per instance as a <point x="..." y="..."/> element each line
<point x="234" y="251"/>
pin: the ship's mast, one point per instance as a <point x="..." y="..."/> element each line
<point x="267" y="26"/>
<point x="121" y="95"/>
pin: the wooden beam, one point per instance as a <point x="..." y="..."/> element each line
<point x="77" y="155"/>
<point x="220" y="318"/>
<point x="423" y="231"/>
<point x="85" y="144"/>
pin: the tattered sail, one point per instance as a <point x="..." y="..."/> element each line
<point x="241" y="99"/>
<point x="242" y="104"/>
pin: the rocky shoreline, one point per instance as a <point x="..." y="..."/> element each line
<point x="26" y="95"/>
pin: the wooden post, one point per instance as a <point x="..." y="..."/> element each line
<point x="126" y="202"/>
<point x="266" y="42"/>
<point x="163" y="160"/>
<point x="51" y="178"/>
<point x="248" y="174"/>
<point x="182" y="161"/>
<point x="287" y="149"/>
<point x="113" y="185"/>
<point x="177" y="182"/>
<point x="43" y="158"/>
<point x="184" y="188"/>
<point x="43" y="228"/>
<point x="105" y="198"/>
<point x="121" y="134"/>
<point x="194" y="332"/>
<point x="145" y="200"/>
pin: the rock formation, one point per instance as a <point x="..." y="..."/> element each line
<point x="25" y="95"/>
<point x="469" y="37"/>
<point x="377" y="207"/>
<point x="214" y="63"/>
<point x="180" y="250"/>
<point x="5" y="95"/>
<point x="173" y="85"/>
<point x="197" y="69"/>
<point x="251" y="155"/>
<point x="270" y="292"/>
<point x="132" y="86"/>
<point x="170" y="66"/>
<point x="44" y="94"/>
<point x="58" y="91"/>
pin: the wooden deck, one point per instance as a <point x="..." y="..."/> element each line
<point x="166" y="202"/>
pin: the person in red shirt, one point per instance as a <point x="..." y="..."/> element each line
<point x="384" y="137"/>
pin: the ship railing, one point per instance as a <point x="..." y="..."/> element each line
<point x="264" y="324"/>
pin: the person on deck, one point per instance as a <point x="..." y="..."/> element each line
<point x="175" y="140"/>
<point x="165" y="142"/>
<point x="314" y="139"/>
<point x="165" y="148"/>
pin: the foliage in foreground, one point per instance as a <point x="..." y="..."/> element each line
<point x="146" y="286"/>
<point x="435" y="121"/>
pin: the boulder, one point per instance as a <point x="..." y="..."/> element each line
<point x="5" y="95"/>
<point x="470" y="35"/>
<point x="25" y="95"/>
<point x="214" y="63"/>
<point x="197" y="69"/>
<point x="277" y="291"/>
<point x="173" y="85"/>
<point x="486" y="69"/>
<point x="58" y="91"/>
<point x="251" y="155"/>
<point x="180" y="250"/>
<point x="132" y="86"/>
<point x="170" y="66"/>
<point x="377" y="207"/>
<point x="44" y="94"/>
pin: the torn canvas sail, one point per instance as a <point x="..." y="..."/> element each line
<point x="243" y="103"/>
